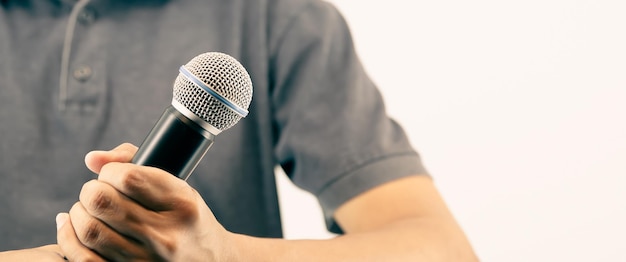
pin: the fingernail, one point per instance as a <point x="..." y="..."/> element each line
<point x="61" y="219"/>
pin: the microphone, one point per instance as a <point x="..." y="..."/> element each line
<point x="211" y="94"/>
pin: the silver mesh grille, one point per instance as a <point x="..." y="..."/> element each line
<point x="224" y="75"/>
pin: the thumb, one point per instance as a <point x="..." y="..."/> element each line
<point x="123" y="153"/>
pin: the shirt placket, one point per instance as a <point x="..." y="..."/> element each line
<point x="81" y="76"/>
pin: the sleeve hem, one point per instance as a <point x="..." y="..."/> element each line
<point x="364" y="178"/>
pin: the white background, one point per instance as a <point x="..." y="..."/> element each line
<point x="518" y="109"/>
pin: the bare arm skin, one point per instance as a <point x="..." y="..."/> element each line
<point x="49" y="253"/>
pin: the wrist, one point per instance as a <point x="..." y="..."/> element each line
<point x="255" y="249"/>
<point x="218" y="245"/>
<point x="229" y="248"/>
<point x="237" y="248"/>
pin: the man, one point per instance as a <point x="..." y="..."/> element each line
<point x="314" y="111"/>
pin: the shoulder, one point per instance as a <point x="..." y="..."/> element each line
<point x="303" y="19"/>
<point x="284" y="10"/>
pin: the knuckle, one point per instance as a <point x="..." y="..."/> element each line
<point x="88" y="188"/>
<point x="169" y="244"/>
<point x="91" y="234"/>
<point x="133" y="180"/>
<point x="127" y="146"/>
<point x="76" y="207"/>
<point x="99" y="202"/>
<point x="187" y="211"/>
<point x="126" y="151"/>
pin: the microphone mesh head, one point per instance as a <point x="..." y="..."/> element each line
<point x="226" y="76"/>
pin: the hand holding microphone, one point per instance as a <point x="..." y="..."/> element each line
<point x="138" y="210"/>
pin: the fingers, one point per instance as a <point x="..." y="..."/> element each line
<point x="151" y="187"/>
<point x="97" y="236"/>
<point x="118" y="216"/>
<point x="102" y="201"/>
<point x="119" y="228"/>
<point x="96" y="159"/>
<point x="69" y="243"/>
<point x="85" y="238"/>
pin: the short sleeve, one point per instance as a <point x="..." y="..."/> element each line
<point x="333" y="136"/>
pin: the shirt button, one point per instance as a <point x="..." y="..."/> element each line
<point x="87" y="16"/>
<point x="83" y="73"/>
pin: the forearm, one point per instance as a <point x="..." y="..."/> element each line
<point x="43" y="253"/>
<point x="414" y="239"/>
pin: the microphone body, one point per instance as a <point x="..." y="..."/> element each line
<point x="175" y="144"/>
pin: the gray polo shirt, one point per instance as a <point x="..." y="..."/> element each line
<point x="314" y="112"/>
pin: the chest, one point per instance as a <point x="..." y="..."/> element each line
<point x="119" y="71"/>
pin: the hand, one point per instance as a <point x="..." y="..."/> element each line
<point x="134" y="212"/>
<point x="51" y="253"/>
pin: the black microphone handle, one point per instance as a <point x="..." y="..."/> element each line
<point x="175" y="144"/>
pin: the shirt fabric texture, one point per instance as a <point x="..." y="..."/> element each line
<point x="314" y="111"/>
